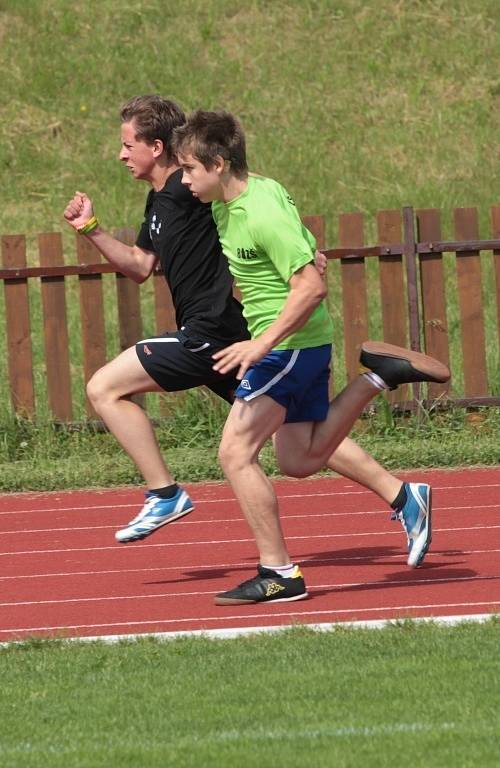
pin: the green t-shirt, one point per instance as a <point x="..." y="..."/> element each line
<point x="266" y="243"/>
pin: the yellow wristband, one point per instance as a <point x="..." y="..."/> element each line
<point x="89" y="226"/>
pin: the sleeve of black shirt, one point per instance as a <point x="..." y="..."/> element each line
<point x="143" y="238"/>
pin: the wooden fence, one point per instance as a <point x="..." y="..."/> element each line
<point x="412" y="297"/>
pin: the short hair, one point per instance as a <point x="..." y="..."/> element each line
<point x="208" y="134"/>
<point x="154" y="118"/>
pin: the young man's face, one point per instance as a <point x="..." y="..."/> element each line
<point x="203" y="183"/>
<point x="139" y="157"/>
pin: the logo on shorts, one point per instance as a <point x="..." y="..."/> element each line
<point x="147" y="350"/>
<point x="245" y="384"/>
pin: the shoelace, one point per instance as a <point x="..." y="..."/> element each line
<point x="249" y="581"/>
<point x="144" y="511"/>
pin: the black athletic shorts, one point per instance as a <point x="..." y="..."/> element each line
<point x="177" y="362"/>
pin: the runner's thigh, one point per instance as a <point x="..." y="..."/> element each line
<point x="177" y="362"/>
<point x="292" y="442"/>
<point x="250" y="424"/>
<point x="123" y="376"/>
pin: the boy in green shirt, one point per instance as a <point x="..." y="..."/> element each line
<point x="284" y="368"/>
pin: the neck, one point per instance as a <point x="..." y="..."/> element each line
<point x="232" y="187"/>
<point x="161" y="173"/>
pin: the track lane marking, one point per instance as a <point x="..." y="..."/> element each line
<point x="225" y="500"/>
<point x="240" y="519"/>
<point x="204" y="593"/>
<point x="212" y="542"/>
<point x="198" y="566"/>
<point x="255" y="616"/>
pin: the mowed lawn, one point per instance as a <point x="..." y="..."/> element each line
<point x="409" y="694"/>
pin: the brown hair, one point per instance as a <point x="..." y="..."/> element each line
<point x="208" y="134"/>
<point x="154" y="118"/>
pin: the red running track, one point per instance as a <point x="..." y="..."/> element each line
<point x="62" y="574"/>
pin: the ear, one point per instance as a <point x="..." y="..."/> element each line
<point x="221" y="165"/>
<point x="158" y="147"/>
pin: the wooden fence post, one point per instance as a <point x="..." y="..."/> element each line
<point x="17" y="314"/>
<point x="410" y="263"/>
<point x="495" y="233"/>
<point x="92" y="314"/>
<point x="354" y="294"/>
<point x="433" y="296"/>
<point x="55" y="327"/>
<point x="471" y="309"/>
<point x="129" y="299"/>
<point x="392" y="289"/>
<point x="129" y="305"/>
<point x="316" y="225"/>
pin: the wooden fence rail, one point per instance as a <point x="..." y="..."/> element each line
<point x="412" y="295"/>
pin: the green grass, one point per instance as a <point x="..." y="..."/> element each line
<point x="39" y="456"/>
<point x="354" y="105"/>
<point x="412" y="694"/>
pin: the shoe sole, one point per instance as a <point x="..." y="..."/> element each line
<point x="235" y="601"/>
<point x="171" y="519"/>
<point x="428" y="367"/>
<point x="415" y="562"/>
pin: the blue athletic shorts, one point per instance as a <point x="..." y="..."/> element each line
<point x="297" y="379"/>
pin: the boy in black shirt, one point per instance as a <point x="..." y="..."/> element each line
<point x="179" y="232"/>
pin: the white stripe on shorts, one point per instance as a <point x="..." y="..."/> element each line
<point x="164" y="341"/>
<point x="276" y="378"/>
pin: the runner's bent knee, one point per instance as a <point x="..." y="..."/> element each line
<point x="295" y="463"/>
<point x="247" y="428"/>
<point x="122" y="377"/>
<point x="101" y="387"/>
<point x="299" y="469"/>
<point x="94" y="389"/>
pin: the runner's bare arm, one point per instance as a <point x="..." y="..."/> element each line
<point x="307" y="290"/>
<point x="137" y="263"/>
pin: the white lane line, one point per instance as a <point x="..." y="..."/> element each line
<point x="225" y="500"/>
<point x="255" y="735"/>
<point x="240" y="519"/>
<point x="236" y="617"/>
<point x="261" y="734"/>
<point x="213" y="542"/>
<point x="339" y="587"/>
<point x="225" y="566"/>
<point x="228" y="633"/>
